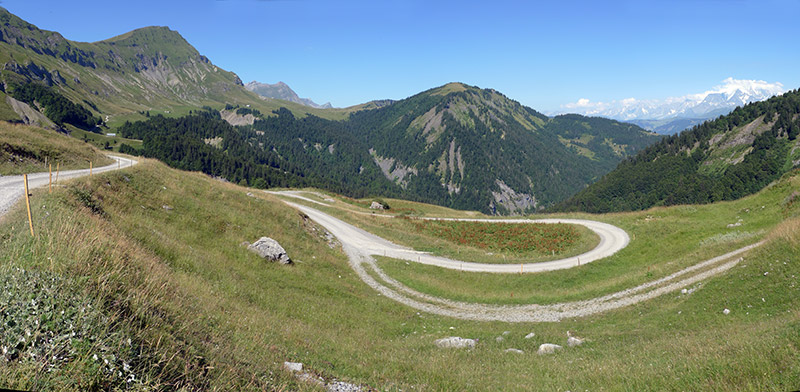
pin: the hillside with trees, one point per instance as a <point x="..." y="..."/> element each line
<point x="456" y="145"/>
<point x="724" y="159"/>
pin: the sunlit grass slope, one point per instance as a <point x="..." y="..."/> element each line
<point x="25" y="149"/>
<point x="149" y="259"/>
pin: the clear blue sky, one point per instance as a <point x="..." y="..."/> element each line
<point x="543" y="54"/>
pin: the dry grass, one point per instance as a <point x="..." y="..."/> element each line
<point x="203" y="313"/>
<point x="25" y="149"/>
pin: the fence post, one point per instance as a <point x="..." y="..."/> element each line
<point x="28" y="204"/>
<point x="58" y="170"/>
<point x="50" y="187"/>
<point x="90" y="168"/>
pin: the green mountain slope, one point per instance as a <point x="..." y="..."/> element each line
<point x="148" y="69"/>
<point x="456" y="146"/>
<point x="725" y="159"/>
<point x="466" y="147"/>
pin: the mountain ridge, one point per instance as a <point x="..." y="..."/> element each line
<point x="282" y="91"/>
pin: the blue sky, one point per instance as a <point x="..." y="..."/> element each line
<point x="543" y="54"/>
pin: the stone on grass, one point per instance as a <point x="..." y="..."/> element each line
<point x="311" y="379"/>
<point x="548" y="348"/>
<point x="293" y="366"/>
<point x="377" y="206"/>
<point x="726" y="311"/>
<point x="514" y="350"/>
<point x="499" y="339"/>
<point x="573" y="341"/>
<point x="340" y="386"/>
<point x="454" y="342"/>
<point x="270" y="249"/>
<point x="530" y="335"/>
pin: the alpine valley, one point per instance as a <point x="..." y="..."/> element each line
<point x="456" y="145"/>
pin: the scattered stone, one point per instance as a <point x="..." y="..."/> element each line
<point x="505" y="333"/>
<point x="251" y="194"/>
<point x="499" y="339"/>
<point x="311" y="379"/>
<point x="530" y="335"/>
<point x="684" y="291"/>
<point x="455" y="342"/>
<point x="573" y="341"/>
<point x="166" y="207"/>
<point x="377" y="206"/>
<point x="339" y="386"/>
<point x="514" y="350"/>
<point x="245" y="244"/>
<point x="270" y="249"/>
<point x="732" y="225"/>
<point x="548" y="348"/>
<point x="293" y="366"/>
<point x="726" y="311"/>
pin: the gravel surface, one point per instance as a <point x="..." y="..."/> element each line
<point x="12" y="188"/>
<point x="360" y="246"/>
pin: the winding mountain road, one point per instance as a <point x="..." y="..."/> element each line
<point x="12" y="187"/>
<point x="360" y="247"/>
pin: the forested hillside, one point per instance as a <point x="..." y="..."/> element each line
<point x="725" y="159"/>
<point x="456" y="145"/>
<point x="472" y="148"/>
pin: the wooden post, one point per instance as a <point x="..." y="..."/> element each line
<point x="90" y="168"/>
<point x="520" y="268"/>
<point x="50" y="187"/>
<point x="58" y="170"/>
<point x="28" y="204"/>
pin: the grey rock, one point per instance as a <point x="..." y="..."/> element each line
<point x="293" y="366"/>
<point x="311" y="379"/>
<point x="572" y="341"/>
<point x="340" y="386"/>
<point x="270" y="249"/>
<point x="530" y="335"/>
<point x="377" y="206"/>
<point x="499" y="339"/>
<point x="548" y="348"/>
<point x="726" y="311"/>
<point x="454" y="342"/>
<point x="514" y="350"/>
<point x="166" y="207"/>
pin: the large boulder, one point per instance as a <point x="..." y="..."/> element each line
<point x="377" y="206"/>
<point x="270" y="249"/>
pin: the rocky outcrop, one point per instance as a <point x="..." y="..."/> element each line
<point x="270" y="249"/>
<point x="510" y="200"/>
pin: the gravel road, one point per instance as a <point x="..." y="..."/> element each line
<point x="360" y="246"/>
<point x="12" y="187"/>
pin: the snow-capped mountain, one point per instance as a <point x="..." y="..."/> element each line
<point x="720" y="100"/>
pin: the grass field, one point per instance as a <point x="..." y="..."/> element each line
<point x="25" y="149"/>
<point x="201" y="312"/>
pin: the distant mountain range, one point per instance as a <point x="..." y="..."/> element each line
<point x="723" y="159"/>
<point x="673" y="115"/>
<point x="282" y="91"/>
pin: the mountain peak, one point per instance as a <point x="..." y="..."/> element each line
<point x="282" y="91"/>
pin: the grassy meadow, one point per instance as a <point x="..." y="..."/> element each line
<point x="148" y="261"/>
<point x="25" y="149"/>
